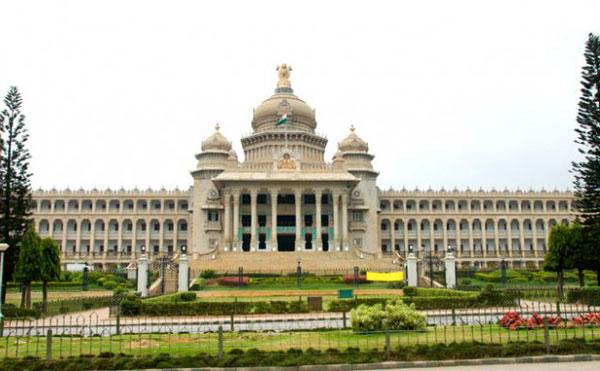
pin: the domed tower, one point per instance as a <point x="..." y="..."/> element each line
<point x="354" y="157"/>
<point x="283" y="122"/>
<point x="216" y="156"/>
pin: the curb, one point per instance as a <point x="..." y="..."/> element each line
<point x="409" y="364"/>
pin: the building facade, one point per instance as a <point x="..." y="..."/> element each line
<point x="286" y="197"/>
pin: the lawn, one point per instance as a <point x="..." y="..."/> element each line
<point x="193" y="344"/>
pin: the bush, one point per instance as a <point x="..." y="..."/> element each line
<point x="198" y="284"/>
<point x="13" y="312"/>
<point x="492" y="297"/>
<point x="208" y="273"/>
<point x="109" y="285"/>
<point x="131" y="305"/>
<point x="136" y="306"/>
<point x="588" y="296"/>
<point x="187" y="296"/>
<point x="349" y="278"/>
<point x="120" y="290"/>
<point x="399" y="315"/>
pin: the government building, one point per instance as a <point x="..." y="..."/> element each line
<point x="285" y="199"/>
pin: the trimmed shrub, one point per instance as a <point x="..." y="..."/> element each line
<point x="187" y="296"/>
<point x="208" y="273"/>
<point x="153" y="308"/>
<point x="586" y="296"/>
<point x="349" y="278"/>
<point x="198" y="284"/>
<point x="395" y="284"/>
<point x="13" y="312"/>
<point x="109" y="285"/>
<point x="399" y="315"/>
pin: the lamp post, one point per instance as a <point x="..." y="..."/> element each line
<point x="503" y="267"/>
<point x="85" y="276"/>
<point x="3" y="248"/>
<point x="299" y="274"/>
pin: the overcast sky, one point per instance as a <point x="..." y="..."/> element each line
<point x="447" y="93"/>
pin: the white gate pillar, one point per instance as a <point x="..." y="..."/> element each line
<point x="450" y="265"/>
<point x="142" y="275"/>
<point x="183" y="282"/>
<point x="411" y="262"/>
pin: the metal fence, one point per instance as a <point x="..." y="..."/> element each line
<point x="97" y="332"/>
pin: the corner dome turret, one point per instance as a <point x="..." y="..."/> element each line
<point x="353" y="143"/>
<point x="216" y="142"/>
<point x="299" y="114"/>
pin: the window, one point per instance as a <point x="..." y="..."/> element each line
<point x="183" y="226"/>
<point x="262" y="220"/>
<point x="129" y="226"/>
<point x="213" y="216"/>
<point x="143" y="225"/>
<point x="325" y="220"/>
<point x="357" y="217"/>
<point x="308" y="220"/>
<point x="170" y="227"/>
<point x="156" y="227"/>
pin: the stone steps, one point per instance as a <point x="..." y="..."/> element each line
<point x="287" y="262"/>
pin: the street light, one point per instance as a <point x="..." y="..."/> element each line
<point x="183" y="249"/>
<point x="143" y="249"/>
<point x="3" y="248"/>
<point x="410" y="249"/>
<point x="85" y="276"/>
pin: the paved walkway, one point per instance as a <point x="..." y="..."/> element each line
<point x="558" y="366"/>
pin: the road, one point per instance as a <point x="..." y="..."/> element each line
<point x="558" y="366"/>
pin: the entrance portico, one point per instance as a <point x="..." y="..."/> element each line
<point x="285" y="217"/>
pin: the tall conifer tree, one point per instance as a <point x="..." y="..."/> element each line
<point x="587" y="171"/>
<point x="15" y="183"/>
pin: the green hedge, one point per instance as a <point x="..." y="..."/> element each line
<point x="133" y="307"/>
<point x="50" y="284"/>
<point x="424" y="291"/>
<point x="421" y="303"/>
<point x="584" y="296"/>
<point x="13" y="312"/>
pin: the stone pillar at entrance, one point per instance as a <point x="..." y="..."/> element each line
<point x="345" y="242"/>
<point x="411" y="265"/>
<point x="273" y="220"/>
<point x="297" y="202"/>
<point x="236" y="221"/>
<point x="336" y="222"/>
<point x="254" y="220"/>
<point x="318" y="240"/>
<point x="227" y="217"/>
<point x="450" y="265"/>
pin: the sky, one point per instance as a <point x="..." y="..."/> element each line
<point x="465" y="94"/>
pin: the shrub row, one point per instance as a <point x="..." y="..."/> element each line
<point x="50" y="284"/>
<point x="424" y="291"/>
<point x="14" y="312"/>
<point x="584" y="296"/>
<point x="133" y="306"/>
<point x="421" y="303"/>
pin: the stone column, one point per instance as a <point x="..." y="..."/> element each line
<point x="227" y="219"/>
<point x="298" y="204"/>
<point x="471" y="244"/>
<point x="345" y="242"/>
<point x="450" y="264"/>
<point x="133" y="236"/>
<point x="254" y="221"/>
<point x="120" y="234"/>
<point x="78" y="237"/>
<point x="92" y="235"/>
<point x="105" y="242"/>
<point x="183" y="282"/>
<point x="336" y="222"/>
<point x="273" y="245"/>
<point x="405" y="231"/>
<point x="149" y="249"/>
<point x="411" y="263"/>
<point x="318" y="242"/>
<point x="142" y="275"/>
<point x="236" y="221"/>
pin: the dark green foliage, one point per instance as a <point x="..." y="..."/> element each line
<point x="208" y="273"/>
<point x="584" y="296"/>
<point x="15" y="184"/>
<point x="295" y="357"/>
<point x="133" y="306"/>
<point x="560" y="252"/>
<point x="587" y="171"/>
<point x="50" y="269"/>
<point x="29" y="265"/>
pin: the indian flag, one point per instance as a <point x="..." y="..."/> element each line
<point x="283" y="118"/>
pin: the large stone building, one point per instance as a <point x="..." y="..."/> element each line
<point x="285" y="197"/>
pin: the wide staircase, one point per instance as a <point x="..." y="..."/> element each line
<point x="320" y="263"/>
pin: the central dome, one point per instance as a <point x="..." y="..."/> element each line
<point x="300" y="115"/>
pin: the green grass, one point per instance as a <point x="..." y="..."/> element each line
<point x="192" y="344"/>
<point x="91" y="287"/>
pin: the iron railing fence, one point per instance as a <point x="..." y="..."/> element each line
<point x="95" y="332"/>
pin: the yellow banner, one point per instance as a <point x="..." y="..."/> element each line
<point x="392" y="276"/>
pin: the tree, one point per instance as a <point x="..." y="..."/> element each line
<point x="579" y="250"/>
<point x="587" y="171"/>
<point x="15" y="185"/>
<point x="50" y="266"/>
<point x="29" y="265"/>
<point x="559" y="253"/>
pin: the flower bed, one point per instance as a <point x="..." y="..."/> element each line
<point x="514" y="321"/>
<point x="232" y="281"/>
<point x="349" y="278"/>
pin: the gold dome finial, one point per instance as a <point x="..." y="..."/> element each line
<point x="283" y="71"/>
<point x="217" y="127"/>
<point x="352" y="128"/>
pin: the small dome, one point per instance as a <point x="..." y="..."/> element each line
<point x="216" y="142"/>
<point x="353" y="143"/>
<point x="338" y="156"/>
<point x="233" y="155"/>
